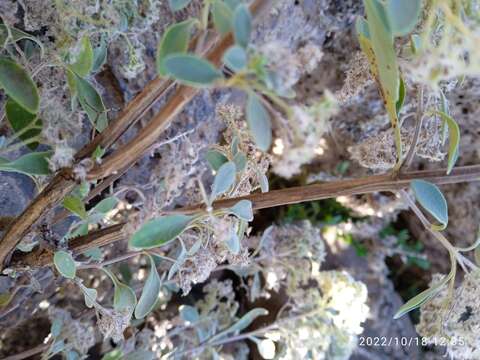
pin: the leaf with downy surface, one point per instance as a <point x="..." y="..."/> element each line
<point x="233" y="242"/>
<point x="160" y="231"/>
<point x="222" y="16"/>
<point x="124" y="298"/>
<point x="19" y="119"/>
<point x="90" y="296"/>
<point x="106" y="205"/>
<point x="65" y="264"/>
<point x="241" y="324"/>
<point x="259" y="122"/>
<point x="191" y="70"/>
<point x="174" y="41"/>
<point x="243" y="210"/>
<point x="224" y="179"/>
<point x="18" y="35"/>
<point x="150" y="291"/>
<point x="235" y="58"/>
<point x="403" y="15"/>
<point x="431" y="199"/>
<point x="18" y="85"/>
<point x="242" y="25"/>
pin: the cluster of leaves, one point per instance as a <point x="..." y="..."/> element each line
<point x="248" y="70"/>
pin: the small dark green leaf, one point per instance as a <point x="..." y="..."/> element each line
<point x="191" y="70"/>
<point x="243" y="210"/>
<point x="431" y="199"/>
<point x="177" y="5"/>
<point x="401" y="96"/>
<point x="75" y="205"/>
<point x="174" y="41"/>
<point x="160" y="231"/>
<point x="235" y="58"/>
<point x="222" y="16"/>
<point x="29" y="164"/>
<point x="454" y="140"/>
<point x="91" y="103"/>
<point x="224" y="179"/>
<point x="242" y="25"/>
<point x="65" y="264"/>
<point x="84" y="60"/>
<point x="150" y="292"/>
<point x="18" y="84"/>
<point x="19" y="119"/>
<point x="259" y="122"/>
<point x="403" y="15"/>
<point x="216" y="159"/>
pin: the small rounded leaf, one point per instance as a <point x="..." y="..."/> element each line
<point x="159" y="231"/>
<point x="216" y="159"/>
<point x="235" y="58"/>
<point x="243" y="210"/>
<point x="90" y="296"/>
<point x="18" y="84"/>
<point x="242" y="25"/>
<point x="431" y="199"/>
<point x="65" y="264"/>
<point x="191" y="70"/>
<point x="224" y="179"/>
<point x="174" y="41"/>
<point x="84" y="61"/>
<point x="259" y="122"/>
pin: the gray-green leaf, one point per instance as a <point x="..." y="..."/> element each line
<point x="18" y="84"/>
<point x="233" y="242"/>
<point x="242" y="25"/>
<point x="235" y="58"/>
<point x="191" y="70"/>
<point x="189" y="313"/>
<point x="431" y="199"/>
<point x="241" y="324"/>
<point x="403" y="15"/>
<point x="222" y="16"/>
<point x="106" y="205"/>
<point x="159" y="231"/>
<point x="177" y="5"/>
<point x="65" y="264"/>
<point x="224" y="179"/>
<point x="259" y="122"/>
<point x="90" y="296"/>
<point x="243" y="210"/>
<point x="150" y="292"/>
<point x="174" y="41"/>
